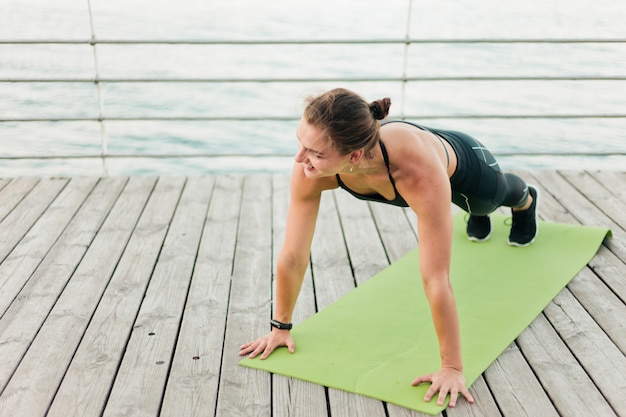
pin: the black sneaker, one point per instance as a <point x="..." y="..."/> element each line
<point x="524" y="227"/>
<point x="478" y="228"/>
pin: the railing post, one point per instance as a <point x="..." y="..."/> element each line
<point x="103" y="139"/>
<point x="405" y="61"/>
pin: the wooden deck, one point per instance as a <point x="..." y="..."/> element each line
<point x="130" y="297"/>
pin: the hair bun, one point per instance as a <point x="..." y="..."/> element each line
<point x="380" y="108"/>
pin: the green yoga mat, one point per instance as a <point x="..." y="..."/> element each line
<point x="378" y="338"/>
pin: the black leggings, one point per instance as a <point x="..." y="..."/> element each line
<point x="478" y="185"/>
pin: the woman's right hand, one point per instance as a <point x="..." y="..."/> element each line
<point x="265" y="345"/>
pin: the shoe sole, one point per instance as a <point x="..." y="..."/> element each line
<point x="476" y="239"/>
<point x="536" y="202"/>
<point x="521" y="245"/>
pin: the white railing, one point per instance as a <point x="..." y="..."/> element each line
<point x="102" y="118"/>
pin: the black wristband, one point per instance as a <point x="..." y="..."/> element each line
<point x="281" y="326"/>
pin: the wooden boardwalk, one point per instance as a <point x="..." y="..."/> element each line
<point x="130" y="297"/>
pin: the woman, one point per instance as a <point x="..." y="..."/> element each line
<point x="342" y="144"/>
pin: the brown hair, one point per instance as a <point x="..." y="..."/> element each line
<point x="347" y="119"/>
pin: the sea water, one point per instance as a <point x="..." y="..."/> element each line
<point x="36" y="137"/>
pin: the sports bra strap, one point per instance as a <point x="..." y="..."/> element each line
<point x="386" y="158"/>
<point x="397" y="201"/>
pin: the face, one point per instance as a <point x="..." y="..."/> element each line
<point x="317" y="154"/>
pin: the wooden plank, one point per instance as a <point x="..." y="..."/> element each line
<point x="36" y="380"/>
<point x="86" y="385"/>
<point x="515" y="388"/>
<point x="17" y="223"/>
<point x="582" y="209"/>
<point x="28" y="254"/>
<point x="611" y="270"/>
<point x="614" y="181"/>
<point x="396" y="232"/>
<point x="291" y="396"/>
<point x="600" y="194"/>
<point x="332" y="272"/>
<point x="194" y="378"/>
<point x="13" y="191"/>
<point x="141" y="378"/>
<point x="366" y="251"/>
<point x="603" y="305"/>
<point x="24" y="318"/>
<point x="609" y="199"/>
<point x="602" y="360"/>
<point x="244" y="391"/>
<point x="569" y="387"/>
<point x="333" y="279"/>
<point x="484" y="403"/>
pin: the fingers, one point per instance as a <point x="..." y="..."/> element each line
<point x="443" y="385"/>
<point x="424" y="378"/>
<point x="267" y="351"/>
<point x="252" y="349"/>
<point x="467" y="395"/>
<point x="454" y="394"/>
<point x="247" y="348"/>
<point x="431" y="391"/>
<point x="265" y="345"/>
<point x="443" y="393"/>
<point x="252" y="352"/>
<point x="263" y="348"/>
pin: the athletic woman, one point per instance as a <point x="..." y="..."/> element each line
<point x="343" y="144"/>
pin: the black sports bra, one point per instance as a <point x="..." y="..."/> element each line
<point x="397" y="201"/>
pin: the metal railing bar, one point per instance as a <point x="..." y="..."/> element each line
<point x="276" y="155"/>
<point x="307" y="41"/>
<point x="295" y="118"/>
<point x="317" y="79"/>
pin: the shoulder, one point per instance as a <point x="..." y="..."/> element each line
<point x="401" y="127"/>
<point x="416" y="166"/>
<point x="409" y="147"/>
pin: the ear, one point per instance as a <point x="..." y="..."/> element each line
<point x="355" y="156"/>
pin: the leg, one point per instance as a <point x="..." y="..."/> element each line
<point x="524" y="226"/>
<point x="517" y="196"/>
<point x="523" y="202"/>
<point x="480" y="187"/>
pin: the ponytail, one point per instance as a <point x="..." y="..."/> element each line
<point x="380" y="108"/>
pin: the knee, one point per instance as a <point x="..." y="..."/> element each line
<point x="517" y="191"/>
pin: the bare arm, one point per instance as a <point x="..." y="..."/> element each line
<point x="429" y="196"/>
<point x="293" y="259"/>
<point x="427" y="190"/>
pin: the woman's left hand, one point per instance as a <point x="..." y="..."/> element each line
<point x="445" y="381"/>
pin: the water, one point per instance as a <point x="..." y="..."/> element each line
<point x="424" y="101"/>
